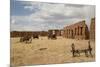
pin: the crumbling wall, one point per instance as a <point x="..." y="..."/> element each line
<point x="92" y="29"/>
<point x="76" y="31"/>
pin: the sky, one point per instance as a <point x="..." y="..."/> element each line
<point x="41" y="16"/>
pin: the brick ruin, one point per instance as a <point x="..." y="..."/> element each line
<point x="17" y="34"/>
<point x="23" y="33"/>
<point x="76" y="31"/>
<point x="92" y="29"/>
<point x="43" y="33"/>
<point x="40" y="33"/>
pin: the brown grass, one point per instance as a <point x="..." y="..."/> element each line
<point x="44" y="51"/>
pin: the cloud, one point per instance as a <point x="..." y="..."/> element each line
<point x="51" y="16"/>
<point x="12" y="21"/>
<point x="28" y="7"/>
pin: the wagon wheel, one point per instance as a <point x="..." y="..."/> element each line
<point x="90" y="50"/>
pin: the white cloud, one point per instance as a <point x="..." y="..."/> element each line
<point x="12" y="21"/>
<point x="51" y="16"/>
<point x="29" y="7"/>
<point x="64" y="9"/>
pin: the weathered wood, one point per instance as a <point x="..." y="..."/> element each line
<point x="87" y="51"/>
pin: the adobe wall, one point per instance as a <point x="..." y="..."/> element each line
<point x="92" y="29"/>
<point x="76" y="31"/>
<point x="22" y="33"/>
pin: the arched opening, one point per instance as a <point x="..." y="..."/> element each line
<point x="81" y="30"/>
<point x="75" y="31"/>
<point x="78" y="31"/>
<point x="72" y="33"/>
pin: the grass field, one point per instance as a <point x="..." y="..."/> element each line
<point x="56" y="51"/>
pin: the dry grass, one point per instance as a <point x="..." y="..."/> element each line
<point x="44" y="51"/>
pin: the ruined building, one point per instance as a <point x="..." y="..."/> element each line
<point x="92" y="29"/>
<point x="43" y="33"/>
<point x="76" y="31"/>
<point x="19" y="33"/>
<point x="23" y="33"/>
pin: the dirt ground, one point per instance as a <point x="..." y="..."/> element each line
<point x="53" y="52"/>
